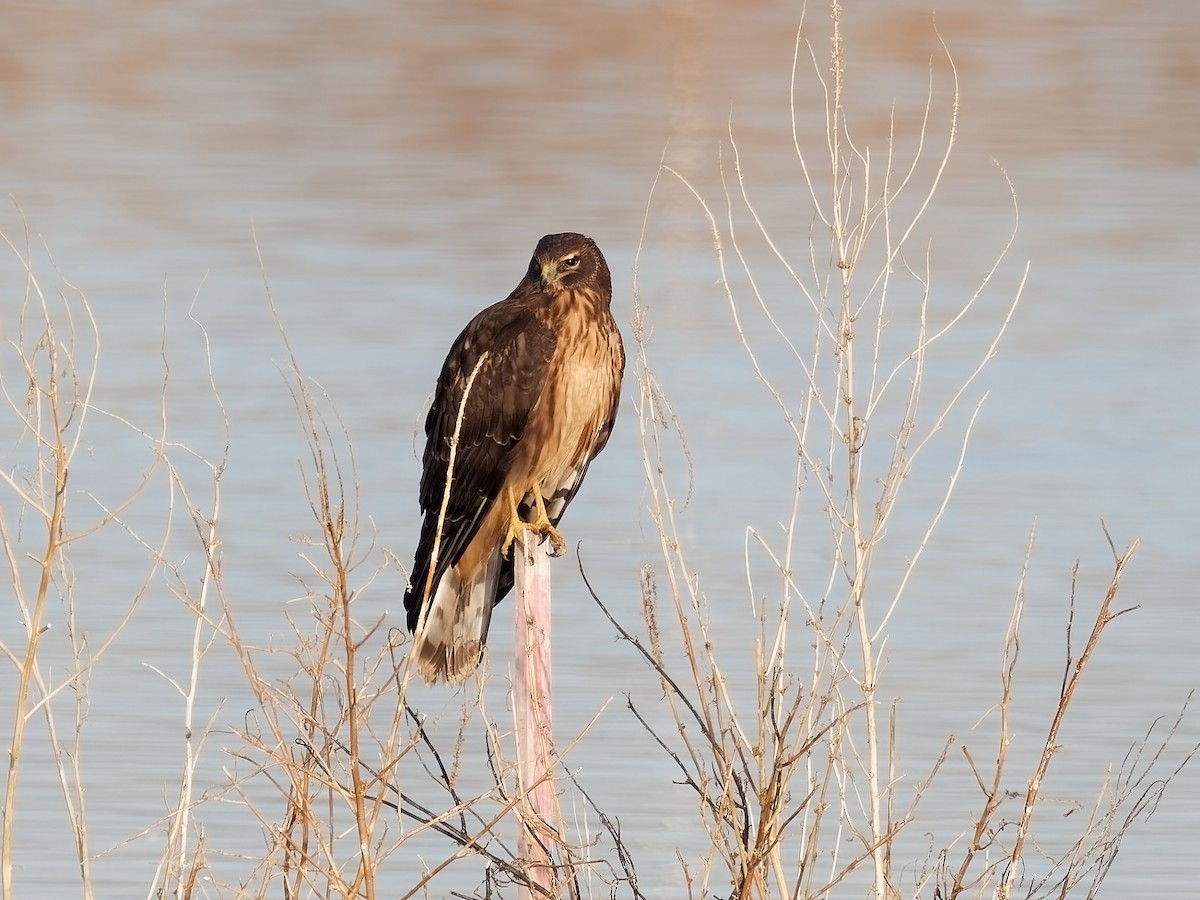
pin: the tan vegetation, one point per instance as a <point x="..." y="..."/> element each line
<point x="794" y="771"/>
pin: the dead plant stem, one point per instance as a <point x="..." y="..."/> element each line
<point x="853" y="437"/>
<point x="1051" y="746"/>
<point x="34" y="626"/>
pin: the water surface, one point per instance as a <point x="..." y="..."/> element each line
<point x="386" y="170"/>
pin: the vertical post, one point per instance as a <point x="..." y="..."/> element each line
<point x="532" y="707"/>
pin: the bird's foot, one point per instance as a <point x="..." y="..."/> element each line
<point x="557" y="545"/>
<point x="541" y="526"/>
<point x="518" y="528"/>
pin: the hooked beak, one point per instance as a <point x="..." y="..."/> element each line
<point x="549" y="277"/>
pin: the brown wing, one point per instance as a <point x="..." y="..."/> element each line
<point x="508" y="383"/>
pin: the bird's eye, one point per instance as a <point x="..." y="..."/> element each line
<point x="571" y="262"/>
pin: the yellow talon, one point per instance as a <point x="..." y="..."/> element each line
<point x="541" y="525"/>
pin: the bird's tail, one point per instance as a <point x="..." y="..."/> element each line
<point x="449" y="637"/>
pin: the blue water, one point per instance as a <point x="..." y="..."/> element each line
<point x="393" y="166"/>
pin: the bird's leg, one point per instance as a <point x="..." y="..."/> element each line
<point x="541" y="525"/>
<point x="516" y="525"/>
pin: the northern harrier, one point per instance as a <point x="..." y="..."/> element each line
<point x="544" y="372"/>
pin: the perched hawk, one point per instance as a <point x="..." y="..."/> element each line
<point x="544" y="368"/>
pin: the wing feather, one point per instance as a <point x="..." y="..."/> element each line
<point x="506" y="387"/>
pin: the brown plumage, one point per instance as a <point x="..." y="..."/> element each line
<point x="547" y="365"/>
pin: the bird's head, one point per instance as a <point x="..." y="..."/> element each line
<point x="565" y="261"/>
